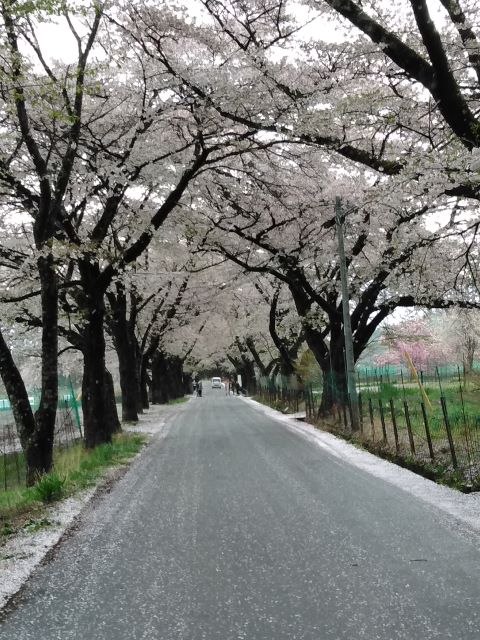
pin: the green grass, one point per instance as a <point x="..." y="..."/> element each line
<point x="35" y="524"/>
<point x="458" y="413"/>
<point x="74" y="469"/>
<point x="437" y="472"/>
<point x="50" y="488"/>
<point x="12" y="470"/>
<point x="178" y="400"/>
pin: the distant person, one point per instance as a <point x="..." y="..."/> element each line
<point x="199" y="388"/>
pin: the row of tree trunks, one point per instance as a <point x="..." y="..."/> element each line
<point x="36" y="430"/>
<point x="167" y="382"/>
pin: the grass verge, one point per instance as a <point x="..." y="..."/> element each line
<point x="178" y="400"/>
<point x="74" y="469"/>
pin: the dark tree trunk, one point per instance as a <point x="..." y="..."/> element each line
<point x="97" y="429"/>
<point x="96" y="419"/>
<point x="334" y="386"/>
<point x="138" y="373"/>
<point x="187" y="385"/>
<point x="470" y="346"/>
<point x="175" y="370"/>
<point x="144" y="383"/>
<point x="22" y="411"/>
<point x="111" y="423"/>
<point x="111" y="404"/>
<point x="247" y="371"/>
<point x="167" y="378"/>
<point x="159" y="379"/>
<point x="36" y="432"/>
<point x="128" y="370"/>
<point x="287" y="355"/>
<point x="125" y="343"/>
<point x="330" y="361"/>
<point x="328" y="356"/>
<point x="17" y="394"/>
<point x="39" y="454"/>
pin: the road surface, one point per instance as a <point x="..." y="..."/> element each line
<point x="232" y="527"/>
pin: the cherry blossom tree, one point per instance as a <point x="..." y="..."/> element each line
<point x="375" y="105"/>
<point x="142" y="142"/>
<point x="416" y="340"/>
<point x="35" y="171"/>
<point x="460" y="330"/>
<point x="270" y="219"/>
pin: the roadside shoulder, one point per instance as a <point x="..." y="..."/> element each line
<point x="461" y="506"/>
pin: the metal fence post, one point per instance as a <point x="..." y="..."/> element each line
<point x="5" y="469"/>
<point x="75" y="407"/>
<point x="360" y="411"/>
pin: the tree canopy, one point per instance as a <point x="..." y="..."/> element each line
<point x="169" y="194"/>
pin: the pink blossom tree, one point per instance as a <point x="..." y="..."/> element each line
<point x="417" y="339"/>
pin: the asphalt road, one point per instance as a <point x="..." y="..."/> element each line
<point x="232" y="527"/>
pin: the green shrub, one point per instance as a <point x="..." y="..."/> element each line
<point x="101" y="456"/>
<point x="49" y="488"/>
<point x="388" y="391"/>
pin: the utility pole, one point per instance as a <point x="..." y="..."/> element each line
<point x="347" y="325"/>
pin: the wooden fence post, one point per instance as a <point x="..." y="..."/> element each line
<point x="409" y="427"/>
<point x="394" y="424"/>
<point x="449" y="432"/>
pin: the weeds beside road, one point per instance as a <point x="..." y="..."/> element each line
<point x="74" y="469"/>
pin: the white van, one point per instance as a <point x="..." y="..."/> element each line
<point x="216" y="383"/>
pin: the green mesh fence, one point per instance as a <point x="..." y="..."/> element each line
<point x="68" y="430"/>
